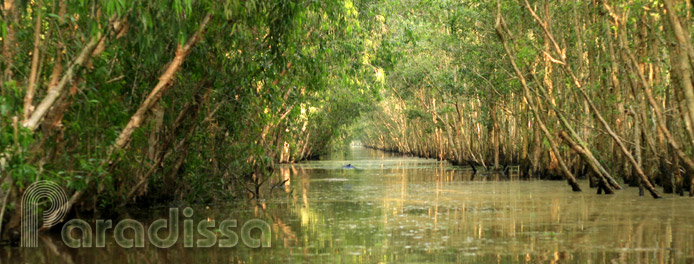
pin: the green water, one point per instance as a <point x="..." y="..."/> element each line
<point x="395" y="209"/>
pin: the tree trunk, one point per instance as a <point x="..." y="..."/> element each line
<point x="33" y="75"/>
<point x="164" y="84"/>
<point x="597" y="114"/>
<point x="499" y="26"/>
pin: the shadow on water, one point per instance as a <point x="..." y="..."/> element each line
<point x="399" y="209"/>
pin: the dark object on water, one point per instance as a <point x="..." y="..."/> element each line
<point x="348" y="166"/>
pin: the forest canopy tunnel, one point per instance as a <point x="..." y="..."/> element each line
<point x="125" y="101"/>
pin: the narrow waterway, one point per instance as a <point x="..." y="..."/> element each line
<point x="394" y="209"/>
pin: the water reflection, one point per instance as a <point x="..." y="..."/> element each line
<point x="398" y="209"/>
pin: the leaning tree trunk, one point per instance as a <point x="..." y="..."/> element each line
<point x="165" y="82"/>
<point x="500" y="28"/>
<point x="562" y="60"/>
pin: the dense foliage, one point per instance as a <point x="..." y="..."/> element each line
<point x="565" y="89"/>
<point x="127" y="101"/>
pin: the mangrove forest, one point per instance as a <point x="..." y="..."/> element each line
<point x="394" y="131"/>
